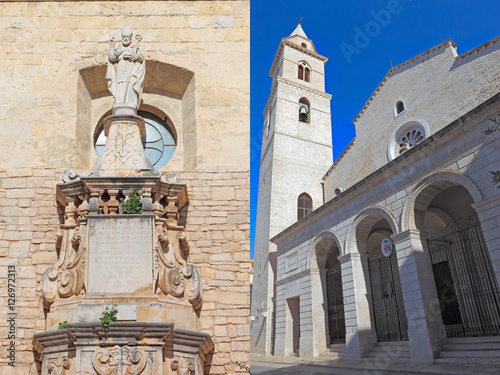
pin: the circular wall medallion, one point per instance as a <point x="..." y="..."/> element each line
<point x="386" y="247"/>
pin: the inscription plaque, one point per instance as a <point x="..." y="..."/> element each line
<point x="120" y="254"/>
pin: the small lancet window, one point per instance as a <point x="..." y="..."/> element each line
<point x="307" y="75"/>
<point x="304" y="205"/>
<point x="304" y="110"/>
<point x="304" y="72"/>
<point x="304" y="45"/>
<point x="400" y="108"/>
<point x="301" y="72"/>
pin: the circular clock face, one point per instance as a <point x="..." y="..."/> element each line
<point x="159" y="142"/>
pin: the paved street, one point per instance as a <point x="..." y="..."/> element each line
<point x="319" y="366"/>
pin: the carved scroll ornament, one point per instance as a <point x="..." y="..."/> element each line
<point x="174" y="276"/>
<point x="67" y="277"/>
<point x="119" y="360"/>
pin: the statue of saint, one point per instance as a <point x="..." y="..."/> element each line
<point x="126" y="81"/>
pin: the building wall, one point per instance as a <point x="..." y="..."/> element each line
<point x="53" y="56"/>
<point x="437" y="87"/>
<point x="461" y="150"/>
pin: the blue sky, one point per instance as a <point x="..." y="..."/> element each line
<point x="356" y="64"/>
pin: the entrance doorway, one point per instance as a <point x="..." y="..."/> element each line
<point x="336" y="318"/>
<point x="468" y="293"/>
<point x="293" y="325"/>
<point x="391" y="323"/>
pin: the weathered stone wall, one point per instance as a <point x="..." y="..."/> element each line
<point x="48" y="115"/>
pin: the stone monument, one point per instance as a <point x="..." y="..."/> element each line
<point x="137" y="261"/>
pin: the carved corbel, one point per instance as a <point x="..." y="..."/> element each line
<point x="182" y="366"/>
<point x="59" y="367"/>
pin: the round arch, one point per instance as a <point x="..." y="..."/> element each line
<point x="311" y="257"/>
<point x="429" y="187"/>
<point x="373" y="214"/>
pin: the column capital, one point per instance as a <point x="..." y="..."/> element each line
<point x="487" y="203"/>
<point x="408" y="234"/>
<point x="351" y="256"/>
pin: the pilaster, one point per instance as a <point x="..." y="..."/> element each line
<point x="425" y="326"/>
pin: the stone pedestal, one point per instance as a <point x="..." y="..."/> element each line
<point x="123" y="154"/>
<point x="123" y="348"/>
<point x="138" y="262"/>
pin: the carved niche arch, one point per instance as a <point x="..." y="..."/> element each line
<point x="168" y="89"/>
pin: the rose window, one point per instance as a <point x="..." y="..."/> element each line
<point x="408" y="139"/>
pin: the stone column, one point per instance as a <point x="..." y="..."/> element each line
<point x="488" y="210"/>
<point x="315" y="344"/>
<point x="425" y="326"/>
<point x="359" y="333"/>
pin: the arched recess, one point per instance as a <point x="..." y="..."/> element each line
<point x="412" y="214"/>
<point x="440" y="208"/>
<point x="366" y="219"/>
<point x="312" y="259"/>
<point x="387" y="316"/>
<point x="326" y="290"/>
<point x="169" y="89"/>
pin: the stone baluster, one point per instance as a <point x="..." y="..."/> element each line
<point x="171" y="212"/>
<point x="94" y="201"/>
<point x="113" y="204"/>
<point x="147" y="201"/>
<point x="70" y="214"/>
<point x="157" y="207"/>
<point x="84" y="208"/>
<point x="103" y="207"/>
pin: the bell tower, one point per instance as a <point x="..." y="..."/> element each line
<point x="296" y="153"/>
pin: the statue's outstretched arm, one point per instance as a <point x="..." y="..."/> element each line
<point x="112" y="55"/>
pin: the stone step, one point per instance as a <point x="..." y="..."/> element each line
<point x="394" y="343"/>
<point x="471" y="354"/>
<point x="391" y="349"/>
<point x="467" y="340"/>
<point x="469" y="361"/>
<point x="472" y="346"/>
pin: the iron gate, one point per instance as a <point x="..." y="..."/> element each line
<point x="465" y="281"/>
<point x="336" y="319"/>
<point x="391" y="323"/>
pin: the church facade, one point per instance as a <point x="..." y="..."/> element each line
<point x="401" y="249"/>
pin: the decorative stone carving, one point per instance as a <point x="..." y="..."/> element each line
<point x="173" y="275"/>
<point x="59" y="366"/>
<point x="67" y="277"/>
<point x="123" y="154"/>
<point x="119" y="360"/>
<point x="182" y="366"/>
<point x="125" y="73"/>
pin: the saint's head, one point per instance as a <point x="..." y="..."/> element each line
<point x="126" y="35"/>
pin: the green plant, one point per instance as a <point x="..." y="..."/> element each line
<point x="62" y="325"/>
<point x="241" y="366"/>
<point x="133" y="205"/>
<point x="109" y="315"/>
